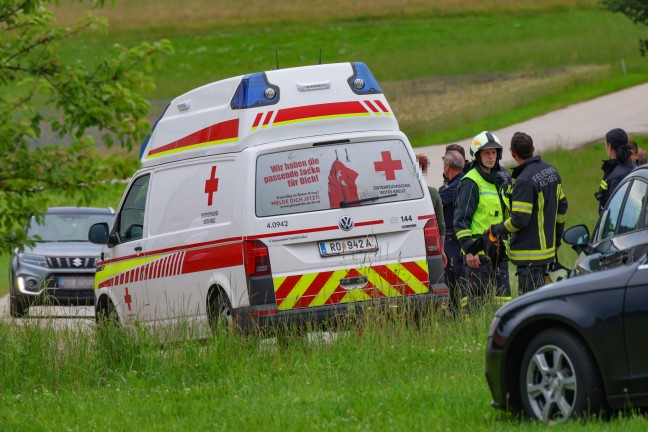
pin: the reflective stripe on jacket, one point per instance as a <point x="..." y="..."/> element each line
<point x="538" y="208"/>
<point x="478" y="205"/>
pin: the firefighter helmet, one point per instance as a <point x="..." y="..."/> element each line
<point x="485" y="140"/>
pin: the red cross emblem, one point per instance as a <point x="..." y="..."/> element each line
<point x="128" y="299"/>
<point x="388" y="165"/>
<point x="211" y="186"/>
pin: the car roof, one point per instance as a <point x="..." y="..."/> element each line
<point x="81" y="210"/>
<point x="641" y="171"/>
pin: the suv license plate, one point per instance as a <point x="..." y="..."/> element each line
<point x="75" y="282"/>
<point x="348" y="246"/>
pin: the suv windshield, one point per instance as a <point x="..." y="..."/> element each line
<point x="335" y="176"/>
<point x="65" y="227"/>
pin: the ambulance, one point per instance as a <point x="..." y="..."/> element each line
<point x="285" y="196"/>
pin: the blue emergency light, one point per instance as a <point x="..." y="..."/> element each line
<point x="254" y="91"/>
<point x="362" y="81"/>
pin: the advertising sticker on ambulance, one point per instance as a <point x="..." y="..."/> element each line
<point x="334" y="176"/>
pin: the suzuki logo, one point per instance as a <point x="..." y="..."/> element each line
<point x="76" y="262"/>
<point x="346" y="223"/>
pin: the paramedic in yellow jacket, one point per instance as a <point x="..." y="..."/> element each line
<point x="480" y="201"/>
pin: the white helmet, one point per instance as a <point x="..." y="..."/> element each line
<point x="485" y="140"/>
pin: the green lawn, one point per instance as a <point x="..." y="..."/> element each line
<point x="381" y="374"/>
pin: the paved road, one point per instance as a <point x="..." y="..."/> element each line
<point x="570" y="127"/>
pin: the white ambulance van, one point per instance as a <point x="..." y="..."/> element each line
<point x="285" y="196"/>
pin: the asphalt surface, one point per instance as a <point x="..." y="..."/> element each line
<point x="571" y="127"/>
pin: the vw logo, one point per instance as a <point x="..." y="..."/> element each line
<point x="77" y="262"/>
<point x="346" y="223"/>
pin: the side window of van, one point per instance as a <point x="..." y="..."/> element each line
<point x="130" y="221"/>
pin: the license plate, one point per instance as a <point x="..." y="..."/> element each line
<point x="75" y="282"/>
<point x="348" y="246"/>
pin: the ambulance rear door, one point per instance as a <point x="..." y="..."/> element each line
<point x="343" y="220"/>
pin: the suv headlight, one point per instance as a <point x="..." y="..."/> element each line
<point x="33" y="259"/>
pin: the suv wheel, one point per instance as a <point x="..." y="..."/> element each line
<point x="558" y="378"/>
<point x="17" y="306"/>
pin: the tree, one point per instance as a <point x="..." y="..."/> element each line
<point x="636" y="10"/>
<point x="74" y="101"/>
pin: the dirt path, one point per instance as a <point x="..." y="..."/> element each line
<point x="571" y="127"/>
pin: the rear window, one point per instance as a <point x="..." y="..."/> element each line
<point x="335" y="176"/>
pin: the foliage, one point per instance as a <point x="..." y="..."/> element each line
<point x="74" y="102"/>
<point x="636" y="10"/>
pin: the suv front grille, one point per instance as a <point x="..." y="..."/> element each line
<point x="72" y="262"/>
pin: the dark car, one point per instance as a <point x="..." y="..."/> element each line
<point x="573" y="348"/>
<point x="59" y="269"/>
<point x="621" y="233"/>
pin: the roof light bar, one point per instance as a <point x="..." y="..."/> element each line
<point x="254" y="91"/>
<point x="362" y="81"/>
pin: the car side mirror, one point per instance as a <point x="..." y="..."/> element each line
<point x="577" y="236"/>
<point x="99" y="233"/>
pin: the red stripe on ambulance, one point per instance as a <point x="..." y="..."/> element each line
<point x="313" y="290"/>
<point x="393" y="280"/>
<point x="285" y="288"/>
<point x="216" y="132"/>
<point x="213" y="258"/>
<point x="319" y="110"/>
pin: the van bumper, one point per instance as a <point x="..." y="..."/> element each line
<point x="264" y="317"/>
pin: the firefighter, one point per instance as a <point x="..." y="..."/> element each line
<point x="480" y="201"/>
<point x="537" y="218"/>
<point x="616" y="167"/>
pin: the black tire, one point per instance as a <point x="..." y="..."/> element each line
<point x="17" y="306"/>
<point x="219" y="312"/>
<point x="106" y="314"/>
<point x="558" y="378"/>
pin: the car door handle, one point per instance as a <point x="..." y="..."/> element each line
<point x="624" y="257"/>
<point x="138" y="249"/>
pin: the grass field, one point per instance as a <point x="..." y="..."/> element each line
<point x="378" y="374"/>
<point x="448" y="68"/>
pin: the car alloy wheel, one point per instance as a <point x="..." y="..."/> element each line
<point x="558" y="378"/>
<point x="551" y="384"/>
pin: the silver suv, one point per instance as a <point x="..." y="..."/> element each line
<point x="59" y="269"/>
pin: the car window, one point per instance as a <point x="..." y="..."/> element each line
<point x="609" y="225"/>
<point x="66" y="227"/>
<point x="335" y="176"/>
<point x="130" y="222"/>
<point x="634" y="205"/>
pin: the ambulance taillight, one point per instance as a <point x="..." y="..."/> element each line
<point x="432" y="238"/>
<point x="257" y="258"/>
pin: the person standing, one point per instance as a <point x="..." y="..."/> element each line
<point x="437" y="204"/>
<point x="537" y="218"/>
<point x="453" y="164"/>
<point x="634" y="150"/>
<point x="479" y="203"/>
<point x="618" y="165"/>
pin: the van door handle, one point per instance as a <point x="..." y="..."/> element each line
<point x="138" y="249"/>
